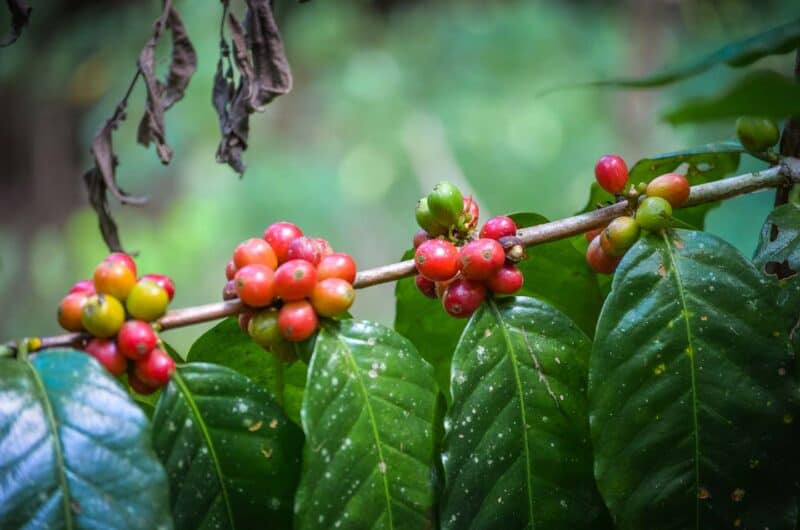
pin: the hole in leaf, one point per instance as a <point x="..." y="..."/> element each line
<point x="780" y="269"/>
<point x="773" y="232"/>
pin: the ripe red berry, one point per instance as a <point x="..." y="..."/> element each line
<point x="295" y="279"/>
<point x="121" y="257"/>
<point x="230" y="269"/>
<point x="304" y="248"/>
<point x="279" y="235"/>
<point x="136" y="339"/>
<point x="155" y="369"/>
<point x="255" y="285"/>
<point x="107" y="354"/>
<point x="671" y="186"/>
<point x="114" y="278"/>
<point x="598" y="260"/>
<point x="70" y="311"/>
<point x="84" y="286"/>
<point x="229" y="291"/>
<point x="506" y="280"/>
<point x="497" y="227"/>
<point x="325" y="248"/>
<point x="481" y="258"/>
<point x="139" y="386"/>
<point x="463" y="297"/>
<point x="165" y="282"/>
<point x="611" y="173"/>
<point x="337" y="265"/>
<point x="425" y="286"/>
<point x="297" y="321"/>
<point x="469" y="218"/>
<point x="254" y="251"/>
<point x="593" y="233"/>
<point x="437" y="260"/>
<point x="332" y="297"/>
<point x="420" y="237"/>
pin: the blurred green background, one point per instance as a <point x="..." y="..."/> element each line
<point x="389" y="98"/>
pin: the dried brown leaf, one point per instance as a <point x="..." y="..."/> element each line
<point x="20" y="16"/>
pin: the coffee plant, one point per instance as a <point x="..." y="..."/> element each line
<point x="620" y="368"/>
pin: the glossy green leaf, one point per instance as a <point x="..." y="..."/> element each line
<point x="75" y="449"/>
<point x="368" y="414"/>
<point x="227" y="345"/>
<point x="231" y="454"/>
<point x="690" y="391"/>
<point x="517" y="452"/>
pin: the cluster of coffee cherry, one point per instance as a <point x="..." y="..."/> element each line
<point x="116" y="308"/>
<point x="287" y="280"/>
<point x="653" y="204"/>
<point x="457" y="265"/>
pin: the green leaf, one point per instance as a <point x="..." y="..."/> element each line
<point x="517" y="452"/>
<point x="75" y="449"/>
<point x="232" y="456"/>
<point x="761" y="93"/>
<point x="227" y="345"/>
<point x="689" y="391"/>
<point x="368" y="414"/>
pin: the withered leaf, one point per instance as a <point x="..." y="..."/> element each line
<point x="99" y="201"/>
<point x="20" y="16"/>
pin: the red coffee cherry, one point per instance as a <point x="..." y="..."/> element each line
<point x="107" y="354"/>
<point x="279" y="235"/>
<point x="304" y="248"/>
<point x="155" y="369"/>
<point x="114" y="278"/>
<point x="497" y="227"/>
<point x="437" y="260"/>
<point x="671" y="186"/>
<point x="136" y="339"/>
<point x="84" y="286"/>
<point x="244" y="321"/>
<point x="463" y="297"/>
<point x="297" y="321"/>
<point x="229" y="291"/>
<point x="254" y="251"/>
<point x="295" y="279"/>
<point x="230" y="269"/>
<point x="611" y="173"/>
<point x="332" y="296"/>
<point x="137" y="385"/>
<point x="420" y="237"/>
<point x="425" y="286"/>
<point x="481" y="258"/>
<point x="121" y="257"/>
<point x="165" y="282"/>
<point x="469" y="218"/>
<point x="70" y="311"/>
<point x="506" y="280"/>
<point x="593" y="233"/>
<point x="337" y="265"/>
<point x="255" y="285"/>
<point x="598" y="260"/>
<point x="325" y="248"/>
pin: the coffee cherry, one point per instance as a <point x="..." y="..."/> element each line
<point x="114" y="278"/>
<point x="598" y="260"/>
<point x="230" y="269"/>
<point x="229" y="291"/>
<point x="619" y="236"/>
<point x="611" y="173"/>
<point x="332" y="297"/>
<point x="137" y="385"/>
<point x="593" y="233"/>
<point x="325" y="248"/>
<point x="279" y="235"/>
<point x="497" y="227"/>
<point x="654" y="213"/>
<point x="506" y="280"/>
<point x="70" y="311"/>
<point x="147" y="301"/>
<point x="84" y="286"/>
<point x="463" y="297"/>
<point x="255" y="285"/>
<point x="437" y="260"/>
<point x="481" y="258"/>
<point x="263" y="327"/>
<point x="165" y="282"/>
<point x="244" y="321"/>
<point x="304" y="248"/>
<point x="136" y="339"/>
<point x="121" y="257"/>
<point x="295" y="279"/>
<point x="671" y="186"/>
<point x="337" y="265"/>
<point x="469" y="216"/>
<point x="103" y="315"/>
<point x="107" y="354"/>
<point x="297" y="321"/>
<point x="425" y="286"/>
<point x="441" y="287"/>
<point x="420" y="237"/>
<point x="254" y="251"/>
<point x="445" y="203"/>
<point x="757" y="134"/>
<point x="155" y="369"/>
<point x="425" y="219"/>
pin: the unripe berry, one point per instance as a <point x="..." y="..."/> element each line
<point x="107" y="354"/>
<point x="114" y="278"/>
<point x="463" y="297"/>
<point x="295" y="279"/>
<point x="598" y="260"/>
<point x="165" y="282"/>
<point x="445" y="203"/>
<point x="619" y="236"/>
<point x="425" y="286"/>
<point x="481" y="258"/>
<point x="757" y="134"/>
<point x="279" y="235"/>
<point x="425" y="219"/>
<point x="263" y="327"/>
<point x="230" y="269"/>
<point x="84" y="286"/>
<point x="304" y="248"/>
<point x="437" y="260"/>
<point x="254" y="251"/>
<point x="155" y="369"/>
<point x="611" y="173"/>
<point x="103" y="315"/>
<point x="125" y="259"/>
<point x="332" y="297"/>
<point x="420" y="237"/>
<point x="137" y="385"/>
<point x="136" y="339"/>
<point x="337" y="265"/>
<point x="70" y="311"/>
<point x="654" y="213"/>
<point x="255" y="285"/>
<point x="470" y="214"/>
<point x="147" y="301"/>
<point x="497" y="227"/>
<point x="671" y="186"/>
<point x="506" y="280"/>
<point x="297" y="321"/>
<point x="229" y="291"/>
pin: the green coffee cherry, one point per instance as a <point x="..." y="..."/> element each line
<point x="425" y="219"/>
<point x="654" y="213"/>
<point x="263" y="328"/>
<point x="757" y="134"/>
<point x="445" y="203"/>
<point x="619" y="236"/>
